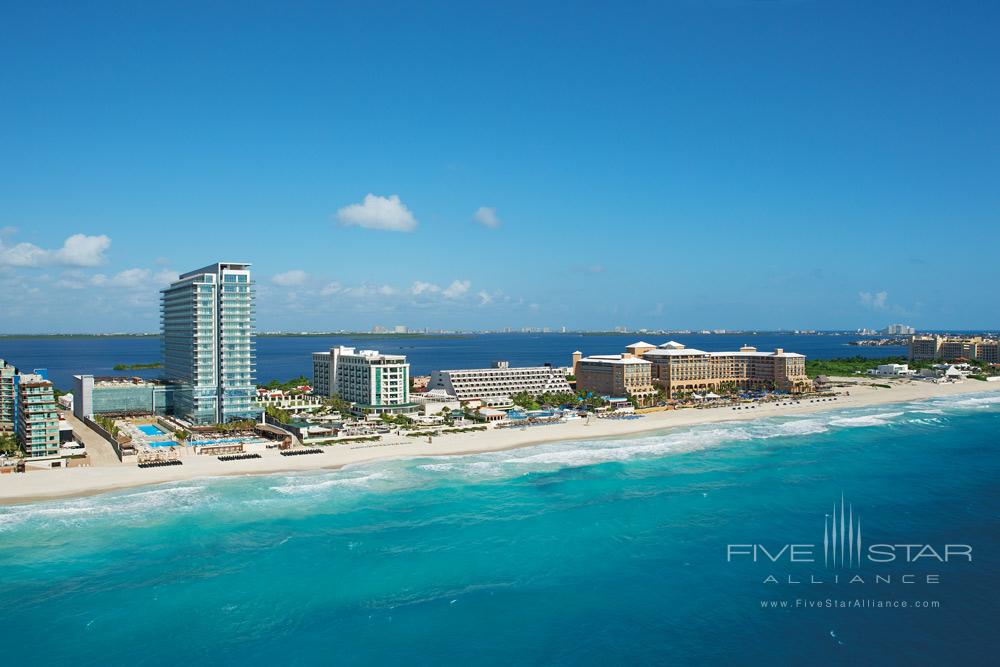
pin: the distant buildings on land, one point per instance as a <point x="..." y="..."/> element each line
<point x="28" y="410"/>
<point x="955" y="347"/>
<point x="678" y="369"/>
<point x="899" y="330"/>
<point x="376" y="383"/>
<point x="500" y="380"/>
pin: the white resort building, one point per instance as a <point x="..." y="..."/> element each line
<point x="376" y="383"/>
<point x="500" y="380"/>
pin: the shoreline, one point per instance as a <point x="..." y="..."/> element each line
<point x="43" y="485"/>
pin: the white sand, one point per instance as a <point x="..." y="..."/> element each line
<point x="56" y="483"/>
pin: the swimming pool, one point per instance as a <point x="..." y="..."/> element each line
<point x="165" y="443"/>
<point x="224" y="441"/>
<point x="152" y="430"/>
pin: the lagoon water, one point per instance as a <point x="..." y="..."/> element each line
<point x="286" y="357"/>
<point x="599" y="552"/>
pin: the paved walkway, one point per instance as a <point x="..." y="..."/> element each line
<point x="99" y="451"/>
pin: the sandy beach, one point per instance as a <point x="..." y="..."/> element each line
<point x="80" y="481"/>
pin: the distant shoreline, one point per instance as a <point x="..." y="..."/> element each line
<point x="472" y="334"/>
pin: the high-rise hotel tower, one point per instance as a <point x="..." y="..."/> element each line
<point x="208" y="343"/>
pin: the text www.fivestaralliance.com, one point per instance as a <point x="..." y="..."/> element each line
<point x="849" y="603"/>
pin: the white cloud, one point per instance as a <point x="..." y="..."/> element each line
<point x="330" y="288"/>
<point x="165" y="277"/>
<point x="420" y="287"/>
<point x="456" y="289"/>
<point x="487" y="217"/>
<point x="290" y="278"/>
<point x="484" y="297"/>
<point x="82" y="250"/>
<point x="367" y="291"/>
<point x="76" y="250"/>
<point x="128" y="278"/>
<point x="877" y="301"/>
<point x="377" y="212"/>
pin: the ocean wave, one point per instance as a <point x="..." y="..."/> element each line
<point x="973" y="402"/>
<point x="880" y="419"/>
<point x="792" y="428"/>
<point x="125" y="506"/>
<point x="298" y="486"/>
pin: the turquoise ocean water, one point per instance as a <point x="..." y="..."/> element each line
<point x="599" y="552"/>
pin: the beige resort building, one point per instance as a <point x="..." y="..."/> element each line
<point x="615" y="375"/>
<point x="679" y="369"/>
<point x="950" y="348"/>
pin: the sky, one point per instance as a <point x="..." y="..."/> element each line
<point x="688" y="164"/>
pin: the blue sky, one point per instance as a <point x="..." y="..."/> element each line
<point x="720" y="164"/>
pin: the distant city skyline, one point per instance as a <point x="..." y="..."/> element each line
<point x="736" y="165"/>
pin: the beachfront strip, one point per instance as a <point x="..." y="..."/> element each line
<point x="207" y="404"/>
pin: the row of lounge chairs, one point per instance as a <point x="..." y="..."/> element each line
<point x="299" y="452"/>
<point x="238" y="457"/>
<point x="160" y="464"/>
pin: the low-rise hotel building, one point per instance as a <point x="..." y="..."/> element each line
<point x="954" y="347"/>
<point x="8" y="396"/>
<point x="376" y="383"/>
<point x="679" y="369"/>
<point x="37" y="418"/>
<point x="121" y="396"/>
<point x="500" y="380"/>
<point x="28" y="410"/>
<point x="614" y="375"/>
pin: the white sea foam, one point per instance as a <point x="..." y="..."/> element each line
<point x="880" y="419"/>
<point x="304" y="485"/>
<point x="792" y="428"/>
<point x="125" y="507"/>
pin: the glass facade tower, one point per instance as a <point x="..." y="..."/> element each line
<point x="208" y="345"/>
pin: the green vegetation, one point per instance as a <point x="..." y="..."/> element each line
<point x="181" y="434"/>
<point x="234" y="426"/>
<point x="8" y="444"/>
<point x="846" y="366"/>
<point x="287" y="385"/>
<point x="109" y="425"/>
<point x="137" y="367"/>
<point x="977" y="376"/>
<point x="337" y="404"/>
<point x="525" y="400"/>
<point x="399" y="420"/>
<point x="283" y="416"/>
<point x="528" y="402"/>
